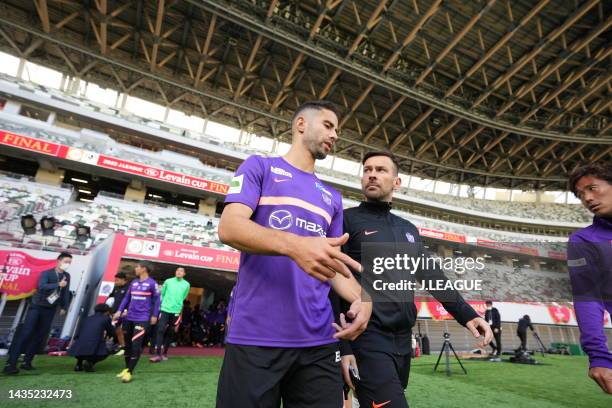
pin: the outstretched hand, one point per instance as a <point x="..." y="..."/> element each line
<point x="479" y="327"/>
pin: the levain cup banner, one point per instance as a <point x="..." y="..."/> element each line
<point x="19" y="273"/>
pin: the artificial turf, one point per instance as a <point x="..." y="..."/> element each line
<point x="191" y="382"/>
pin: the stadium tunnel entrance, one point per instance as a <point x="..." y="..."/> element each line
<point x="207" y="285"/>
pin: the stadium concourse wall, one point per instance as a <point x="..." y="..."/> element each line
<point x="161" y="251"/>
<point x="94" y="159"/>
<point x="58" y="101"/>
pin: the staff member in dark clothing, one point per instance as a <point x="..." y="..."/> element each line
<point x="90" y="345"/>
<point x="382" y="353"/>
<point x="52" y="291"/>
<point x="521" y="331"/>
<point x="114" y="300"/>
<point x="493" y="317"/>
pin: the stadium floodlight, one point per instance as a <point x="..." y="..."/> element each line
<point x="28" y="223"/>
<point x="47" y="225"/>
<point x="83" y="233"/>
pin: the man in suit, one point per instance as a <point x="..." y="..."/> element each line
<point x="493" y="317"/>
<point x="53" y="290"/>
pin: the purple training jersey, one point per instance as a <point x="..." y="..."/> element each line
<point x="275" y="303"/>
<point x="589" y="261"/>
<point x="142" y="300"/>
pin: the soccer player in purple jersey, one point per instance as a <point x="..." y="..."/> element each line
<point x="281" y="344"/>
<point x="140" y="306"/>
<point x="589" y="260"/>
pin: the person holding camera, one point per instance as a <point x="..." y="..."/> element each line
<point x="53" y="291"/>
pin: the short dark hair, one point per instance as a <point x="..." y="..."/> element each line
<point x="147" y="265"/>
<point x="102" y="308"/>
<point x="120" y="275"/>
<point x="317" y="105"/>
<point x="600" y="170"/>
<point x="488" y="302"/>
<point x="63" y="255"/>
<point x="385" y="154"/>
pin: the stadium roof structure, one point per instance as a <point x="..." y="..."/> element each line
<point x="500" y="93"/>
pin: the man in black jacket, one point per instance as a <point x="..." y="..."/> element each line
<point x="114" y="300"/>
<point x="53" y="290"/>
<point x="89" y="345"/>
<point x="493" y="317"/>
<point x="521" y="331"/>
<point x="382" y="353"/>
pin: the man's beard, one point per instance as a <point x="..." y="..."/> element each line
<point x="314" y="149"/>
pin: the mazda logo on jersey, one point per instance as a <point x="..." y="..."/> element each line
<point x="280" y="220"/>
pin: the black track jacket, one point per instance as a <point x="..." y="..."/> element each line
<point x="389" y="329"/>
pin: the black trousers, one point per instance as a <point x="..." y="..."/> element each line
<point x="92" y="359"/>
<point x="134" y="341"/>
<point x="260" y="377"/>
<point x="523" y="337"/>
<point x="384" y="378"/>
<point x="34" y="332"/>
<point x="165" y="332"/>
<point x="497" y="345"/>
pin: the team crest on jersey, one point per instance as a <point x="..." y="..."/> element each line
<point x="410" y="237"/>
<point x="323" y="189"/>
<point x="326" y="199"/>
<point x="280" y="171"/>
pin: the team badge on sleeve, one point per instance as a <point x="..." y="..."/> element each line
<point x="236" y="184"/>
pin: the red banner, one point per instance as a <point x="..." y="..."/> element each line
<point x="560" y="314"/>
<point x="447" y="236"/>
<point x="167" y="176"/>
<point x="29" y="143"/>
<point x="109" y="162"/>
<point x="479" y="306"/>
<point x="437" y="311"/>
<point x="557" y="255"/>
<point x="502" y="246"/>
<point x="19" y="273"/>
<point x="181" y="254"/>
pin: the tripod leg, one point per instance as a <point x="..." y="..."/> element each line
<point x="439" y="357"/>
<point x="447" y="357"/>
<point x="457" y="357"/>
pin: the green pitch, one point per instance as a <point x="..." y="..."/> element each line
<point x="191" y="382"/>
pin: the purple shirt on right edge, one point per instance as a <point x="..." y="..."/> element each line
<point x="589" y="259"/>
<point x="275" y="303"/>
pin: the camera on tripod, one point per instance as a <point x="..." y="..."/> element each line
<point x="447" y="347"/>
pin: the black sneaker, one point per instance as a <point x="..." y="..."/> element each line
<point x="78" y="367"/>
<point x="87" y="366"/>
<point x="10" y="370"/>
<point x="27" y="367"/>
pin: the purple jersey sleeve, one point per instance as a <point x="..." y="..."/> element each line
<point x="245" y="187"/>
<point x="584" y="269"/>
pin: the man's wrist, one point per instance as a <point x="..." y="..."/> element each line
<point x="288" y="245"/>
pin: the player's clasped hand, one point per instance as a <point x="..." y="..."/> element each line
<point x="322" y="258"/>
<point x="359" y="315"/>
<point x="479" y="327"/>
